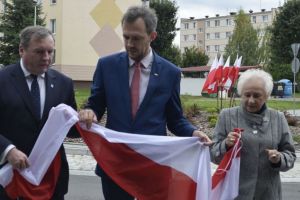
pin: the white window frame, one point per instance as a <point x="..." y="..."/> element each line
<point x="53" y="25"/>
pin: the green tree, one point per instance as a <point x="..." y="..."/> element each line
<point x="264" y="51"/>
<point x="285" y="31"/>
<point x="194" y="57"/>
<point x="244" y="40"/>
<point x="166" y="28"/>
<point x="17" y="15"/>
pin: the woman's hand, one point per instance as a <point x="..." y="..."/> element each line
<point x="231" y="139"/>
<point x="273" y="155"/>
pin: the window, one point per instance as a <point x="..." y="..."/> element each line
<point x="194" y="24"/>
<point x="228" y="34"/>
<point x="52" y="1"/>
<point x="200" y="30"/>
<point x="53" y="25"/>
<point x="186" y="37"/>
<point x="186" y="25"/>
<point x="200" y="41"/>
<point x="54" y="56"/>
<point x="254" y="19"/>
<point x="207" y="23"/>
<point x="217" y="48"/>
<point x="217" y="22"/>
<point x="228" y="22"/>
<point x="194" y="36"/>
<point x="207" y="35"/>
<point x="265" y="18"/>
<point x="217" y="35"/>
<point x="208" y="48"/>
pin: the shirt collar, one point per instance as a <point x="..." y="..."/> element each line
<point x="26" y="72"/>
<point x="146" y="61"/>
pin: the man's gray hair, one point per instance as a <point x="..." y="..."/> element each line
<point x="38" y="32"/>
<point x="256" y="74"/>
<point x="147" y="14"/>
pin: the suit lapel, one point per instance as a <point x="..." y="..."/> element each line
<point x="20" y="84"/>
<point x="123" y="73"/>
<point x="50" y="85"/>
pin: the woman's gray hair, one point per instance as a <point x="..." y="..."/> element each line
<point x="147" y="14"/>
<point x="254" y="74"/>
<point x="38" y="32"/>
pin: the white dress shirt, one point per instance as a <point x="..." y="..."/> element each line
<point x="145" y="73"/>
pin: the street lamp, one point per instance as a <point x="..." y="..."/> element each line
<point x="145" y="3"/>
<point x="36" y="3"/>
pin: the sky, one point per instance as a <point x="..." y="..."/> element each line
<point x="201" y="8"/>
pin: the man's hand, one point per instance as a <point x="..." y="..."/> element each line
<point x="273" y="155"/>
<point x="88" y="117"/>
<point x="203" y="137"/>
<point x="17" y="159"/>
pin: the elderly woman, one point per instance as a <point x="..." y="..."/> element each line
<point x="267" y="145"/>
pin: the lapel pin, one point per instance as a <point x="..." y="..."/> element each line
<point x="52" y="86"/>
<point x="155" y="74"/>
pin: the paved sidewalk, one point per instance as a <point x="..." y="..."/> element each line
<point x="81" y="162"/>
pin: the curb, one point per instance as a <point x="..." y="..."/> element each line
<point x="77" y="149"/>
<point x="82" y="149"/>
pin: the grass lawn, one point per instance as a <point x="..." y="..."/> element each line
<point x="205" y="103"/>
<point x="81" y="96"/>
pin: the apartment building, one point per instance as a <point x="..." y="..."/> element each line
<point x="84" y="31"/>
<point x="211" y="34"/>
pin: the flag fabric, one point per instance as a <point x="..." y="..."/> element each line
<point x="226" y="70"/>
<point x="209" y="82"/>
<point x="152" y="167"/>
<point x="225" y="180"/>
<point x="39" y="180"/>
<point x="148" y="167"/>
<point x="219" y="71"/>
<point x="233" y="74"/>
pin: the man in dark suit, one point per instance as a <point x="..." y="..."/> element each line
<point x="138" y="89"/>
<point x="22" y="116"/>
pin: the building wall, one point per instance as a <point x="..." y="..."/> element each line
<point x="217" y="29"/>
<point x="191" y="86"/>
<point x="85" y="31"/>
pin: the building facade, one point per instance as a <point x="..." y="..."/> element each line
<point x="211" y="34"/>
<point x="84" y="31"/>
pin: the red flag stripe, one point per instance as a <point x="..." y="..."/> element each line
<point x="225" y="165"/>
<point x="20" y="187"/>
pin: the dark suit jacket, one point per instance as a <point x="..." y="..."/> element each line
<point x="18" y="124"/>
<point x="160" y="107"/>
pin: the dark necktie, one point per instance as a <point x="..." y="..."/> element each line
<point x="35" y="94"/>
<point x="135" y="89"/>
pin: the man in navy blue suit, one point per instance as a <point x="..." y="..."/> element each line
<point x="138" y="89"/>
<point x="23" y="112"/>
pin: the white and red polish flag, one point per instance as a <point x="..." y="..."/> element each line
<point x="209" y="82"/>
<point x="233" y="74"/>
<point x="148" y="167"/>
<point x="39" y="180"/>
<point x="225" y="180"/>
<point x="226" y="70"/>
<point x="152" y="167"/>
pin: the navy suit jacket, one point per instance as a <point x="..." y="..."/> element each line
<point x="161" y="105"/>
<point x="18" y="124"/>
